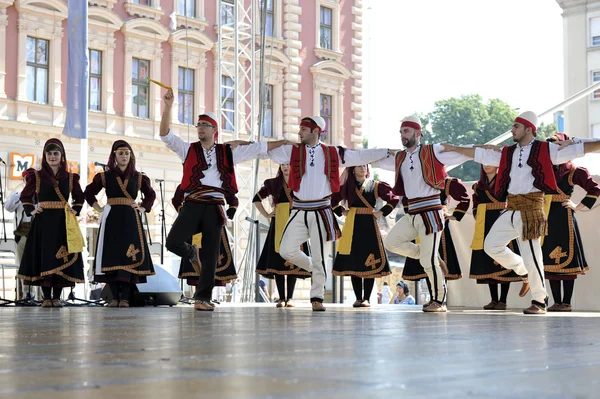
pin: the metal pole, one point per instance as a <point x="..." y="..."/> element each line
<point x="256" y="257"/>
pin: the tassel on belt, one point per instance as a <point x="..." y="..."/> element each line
<point x="531" y="206"/>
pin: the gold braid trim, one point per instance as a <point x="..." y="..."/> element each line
<point x="495" y="205"/>
<point x="227" y="252"/>
<point x="119" y="201"/>
<point x="559" y="268"/>
<point x="226" y="278"/>
<point x="531" y="206"/>
<point x="132" y="268"/>
<point x="52" y="204"/>
<point x="560" y="197"/>
<point x="360" y="274"/>
<point x="59" y="269"/>
<point x="414" y="278"/>
<point x="297" y="271"/>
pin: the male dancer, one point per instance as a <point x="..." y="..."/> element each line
<point x="313" y="178"/>
<point x="525" y="174"/>
<point x="420" y="177"/>
<point x="208" y="176"/>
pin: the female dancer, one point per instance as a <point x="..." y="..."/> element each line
<point x="360" y="251"/>
<point x="563" y="253"/>
<point x="122" y="256"/>
<point x="270" y="263"/>
<point x="486" y="209"/>
<point x="47" y="261"/>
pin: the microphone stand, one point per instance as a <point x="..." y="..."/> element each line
<point x="2" y="204"/>
<point x="163" y="224"/>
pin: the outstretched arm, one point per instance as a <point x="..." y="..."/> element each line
<point x="165" y="122"/>
<point x="362" y="157"/>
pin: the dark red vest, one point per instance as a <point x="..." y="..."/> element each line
<point x="298" y="167"/>
<point x="434" y="172"/>
<point x="541" y="165"/>
<point x="195" y="165"/>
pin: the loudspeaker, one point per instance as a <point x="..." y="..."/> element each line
<point x="160" y="289"/>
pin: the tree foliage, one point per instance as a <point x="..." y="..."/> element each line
<point x="467" y="120"/>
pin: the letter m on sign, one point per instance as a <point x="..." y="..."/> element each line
<point x="20" y="163"/>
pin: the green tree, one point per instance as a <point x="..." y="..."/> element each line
<point x="544" y="131"/>
<point x="467" y="120"/>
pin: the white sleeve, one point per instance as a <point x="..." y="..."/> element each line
<point x="176" y="144"/>
<point x="487" y="157"/>
<point x="13" y="201"/>
<point x="388" y="163"/>
<point x="243" y="153"/>
<point x="584" y="140"/>
<point x="281" y="154"/>
<point x="449" y="158"/>
<point x="363" y="157"/>
<point x="566" y="154"/>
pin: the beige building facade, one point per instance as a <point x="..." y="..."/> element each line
<point x="581" y="25"/>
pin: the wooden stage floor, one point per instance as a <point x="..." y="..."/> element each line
<point x="259" y="351"/>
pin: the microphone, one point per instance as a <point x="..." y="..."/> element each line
<point x="2" y="161"/>
<point x="159" y="180"/>
<point x="100" y="164"/>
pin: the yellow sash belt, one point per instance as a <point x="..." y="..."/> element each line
<point x="479" y="235"/>
<point x="282" y="214"/>
<point x="197" y="240"/>
<point x="345" y="243"/>
<point x="74" y="237"/>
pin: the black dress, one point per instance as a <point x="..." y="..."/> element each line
<point x="562" y="248"/>
<point x="366" y="257"/>
<point x="125" y="254"/>
<point x="46" y="261"/>
<point x="270" y="262"/>
<point x="483" y="268"/>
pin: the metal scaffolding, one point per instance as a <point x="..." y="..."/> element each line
<point x="237" y="112"/>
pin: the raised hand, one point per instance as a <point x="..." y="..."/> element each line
<point x="169" y="97"/>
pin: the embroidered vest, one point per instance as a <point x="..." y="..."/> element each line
<point x="541" y="169"/>
<point x="298" y="166"/>
<point x="195" y="165"/>
<point x="434" y="172"/>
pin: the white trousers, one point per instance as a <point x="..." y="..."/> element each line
<point x="302" y="226"/>
<point x="399" y="240"/>
<point x="506" y="228"/>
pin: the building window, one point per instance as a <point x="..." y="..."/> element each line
<point x="326" y="114"/>
<point x="186" y="8"/>
<point x="267" y="115"/>
<point x="270" y="17"/>
<point x="595" y="31"/>
<point x="186" y="96"/>
<point x="227" y="102"/>
<point x="95" y="86"/>
<point x="227" y="12"/>
<point x="326" y="30"/>
<point x="141" y="87"/>
<point x="37" y="70"/>
<point x="142" y="2"/>
<point x="596" y="78"/>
